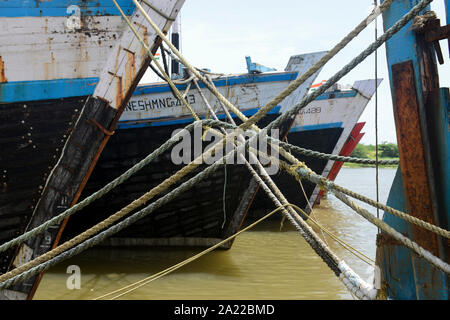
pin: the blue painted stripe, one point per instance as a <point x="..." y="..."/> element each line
<point x="153" y="123"/>
<point x="447" y="10"/>
<point x="63" y="88"/>
<point x="58" y="8"/>
<point x="317" y="126"/>
<point x="46" y="90"/>
<point x="230" y="81"/>
<point x="337" y="95"/>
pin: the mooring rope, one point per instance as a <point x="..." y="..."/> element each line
<point x="136" y="285"/>
<point x="288" y="114"/>
<point x="208" y="170"/>
<point x="274" y="193"/>
<point x="225" y="101"/>
<point x="330" y="186"/>
<point x="33" y="267"/>
<point x="318" y="65"/>
<point x="326" y="156"/>
<point x="173" y="268"/>
<point x="39" y="266"/>
<point x="162" y="14"/>
<point x="432" y="259"/>
<point x="224" y="108"/>
<point x="98" y="194"/>
<point x="377" y="186"/>
<point x="348" y="277"/>
<point x="323" y="181"/>
<point x="313" y="177"/>
<point x="351" y="65"/>
<point x="161" y="69"/>
<point x="118" y="215"/>
<point x="311" y="210"/>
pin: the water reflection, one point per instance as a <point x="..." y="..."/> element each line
<point x="264" y="263"/>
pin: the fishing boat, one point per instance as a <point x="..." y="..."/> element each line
<point x="67" y="70"/>
<point x="73" y="117"/>
<point x="214" y="209"/>
<point x="67" y="75"/>
<point x="325" y="125"/>
<point x="210" y="211"/>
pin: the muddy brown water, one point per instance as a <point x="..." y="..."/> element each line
<point x="264" y="263"/>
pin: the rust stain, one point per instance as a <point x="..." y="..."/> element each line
<point x="119" y="92"/>
<point x="49" y="68"/>
<point x="130" y="69"/>
<point x="412" y="154"/>
<point x="143" y="52"/>
<point x="2" y="71"/>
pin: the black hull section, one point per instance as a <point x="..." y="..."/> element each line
<point x="51" y="146"/>
<point x="195" y="218"/>
<point x="32" y="135"/>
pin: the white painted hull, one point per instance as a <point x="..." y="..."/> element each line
<point x="157" y="106"/>
<point x="245" y="91"/>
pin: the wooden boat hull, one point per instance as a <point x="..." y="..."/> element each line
<point x="58" y="58"/>
<point x="200" y="216"/>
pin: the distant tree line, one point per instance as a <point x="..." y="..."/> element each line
<point x="385" y="150"/>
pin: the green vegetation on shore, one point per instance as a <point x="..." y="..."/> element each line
<point x="386" y="151"/>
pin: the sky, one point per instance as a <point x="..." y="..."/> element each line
<point x="219" y="34"/>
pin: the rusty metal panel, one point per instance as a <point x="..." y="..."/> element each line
<point x="412" y="154"/>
